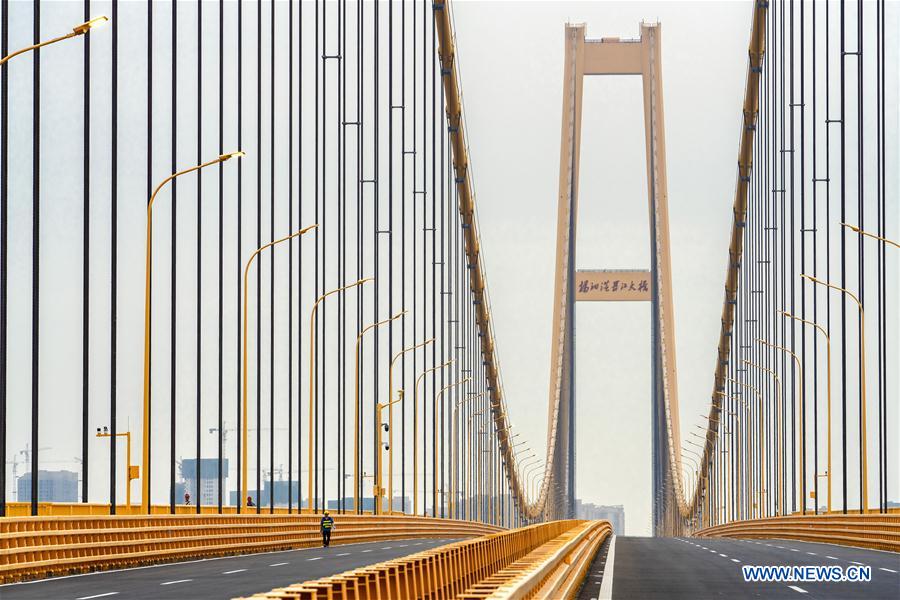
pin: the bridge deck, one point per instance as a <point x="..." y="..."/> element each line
<point x="217" y="578"/>
<point x="690" y="568"/>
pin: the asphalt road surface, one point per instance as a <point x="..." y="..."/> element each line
<point x="699" y="568"/>
<point x="216" y="578"/>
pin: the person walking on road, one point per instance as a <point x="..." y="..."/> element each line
<point x="327" y="526"/>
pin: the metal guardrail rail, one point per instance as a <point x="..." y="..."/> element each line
<point x="553" y="570"/>
<point x="452" y="571"/>
<point x="877" y="531"/>
<point x="34" y="547"/>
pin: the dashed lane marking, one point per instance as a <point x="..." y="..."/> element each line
<point x="723" y="555"/>
<point x="735" y="560"/>
<point x="234" y="571"/>
<point x="278" y="565"/>
<point x="798" y="589"/>
<point x="176" y="581"/>
<point x="316" y="558"/>
<point x="886" y="569"/>
<point x="98" y="595"/>
<point x="343" y="554"/>
<point x="811" y="553"/>
<point x="831" y="557"/>
<point x="853" y="562"/>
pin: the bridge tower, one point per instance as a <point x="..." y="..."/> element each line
<point x="613" y="56"/>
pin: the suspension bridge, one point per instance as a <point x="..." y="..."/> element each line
<point x="241" y="239"/>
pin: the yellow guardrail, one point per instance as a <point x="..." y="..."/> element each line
<point x="33" y="547"/>
<point x="878" y="531"/>
<point x="554" y="570"/>
<point x="452" y="571"/>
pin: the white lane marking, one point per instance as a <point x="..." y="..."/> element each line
<point x="794" y="550"/>
<point x="387" y="547"/>
<point x="605" y="592"/>
<point x="831" y="557"/>
<point x="419" y="544"/>
<point x="798" y="589"/>
<point x="403" y="545"/>
<point x="856" y="563"/>
<point x="98" y="596"/>
<point x="316" y="558"/>
<point x="723" y="555"/>
<point x="735" y="560"/>
<point x="176" y="581"/>
<point x="234" y="571"/>
<point x="811" y="553"/>
<point x="278" y="565"/>
<point x="782" y="547"/>
<point x="367" y="551"/>
<point x="343" y="554"/>
<point x="885" y="569"/>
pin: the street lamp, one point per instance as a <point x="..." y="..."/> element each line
<point x="779" y="467"/>
<point x="81" y="29"/>
<point x="871" y="235"/>
<point x="356" y="424"/>
<point x="760" y="442"/>
<point x="145" y="442"/>
<point x="434" y="475"/>
<point x="245" y="428"/>
<point x="312" y="381"/>
<point x="416" y="432"/>
<point x="455" y="441"/>
<point x="864" y="469"/>
<point x="828" y="410"/>
<point x="131" y="472"/>
<point x="802" y="417"/>
<point x="391" y="418"/>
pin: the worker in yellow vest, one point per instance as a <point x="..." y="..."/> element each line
<point x="327" y="526"/>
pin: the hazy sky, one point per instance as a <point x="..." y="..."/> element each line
<point x="513" y="93"/>
<point x="511" y="57"/>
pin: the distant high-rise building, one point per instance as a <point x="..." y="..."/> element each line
<point x="207" y="492"/>
<point x="53" y="486"/>
<point x="614" y="514"/>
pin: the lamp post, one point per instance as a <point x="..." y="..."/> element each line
<point x="779" y="494"/>
<point x="800" y="421"/>
<point x="391" y="418"/>
<point x="145" y="442"/>
<point x="454" y="435"/>
<point x="760" y="442"/>
<point x="828" y="409"/>
<point x="864" y="468"/>
<point x="472" y="448"/>
<point x="741" y="468"/>
<point x="356" y="505"/>
<point x="533" y="483"/>
<point x="531" y="470"/>
<point x="312" y="383"/>
<point x="434" y="476"/>
<point x="131" y="472"/>
<point x="81" y="29"/>
<point x="245" y="427"/>
<point x="416" y="432"/>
